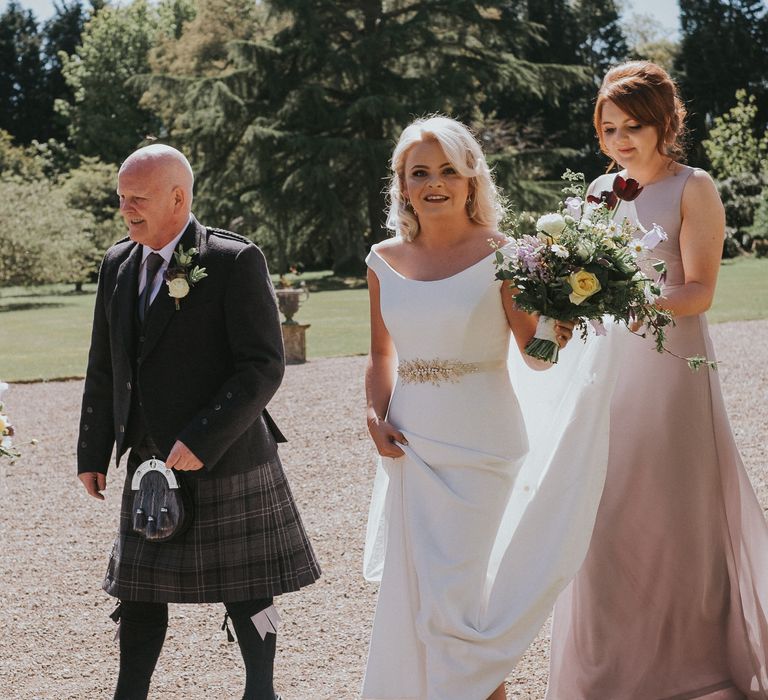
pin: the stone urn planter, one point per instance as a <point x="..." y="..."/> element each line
<point x="289" y="300"/>
<point x="294" y="334"/>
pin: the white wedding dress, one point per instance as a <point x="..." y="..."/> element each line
<point x="471" y="533"/>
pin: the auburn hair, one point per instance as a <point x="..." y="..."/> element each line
<point x="647" y="94"/>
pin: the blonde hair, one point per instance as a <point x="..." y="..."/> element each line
<point x="484" y="204"/>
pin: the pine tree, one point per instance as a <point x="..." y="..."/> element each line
<point x="22" y="75"/>
<point x="724" y="47"/>
<point x="301" y="127"/>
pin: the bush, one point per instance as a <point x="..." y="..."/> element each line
<point x="742" y="195"/>
<point x="759" y="228"/>
<point x="760" y="247"/>
<point x="731" y="247"/>
<point x="43" y="240"/>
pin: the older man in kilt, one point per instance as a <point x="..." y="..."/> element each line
<point x="186" y="378"/>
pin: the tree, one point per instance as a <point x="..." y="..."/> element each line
<point x="91" y="188"/>
<point x="724" y="47"/>
<point x="61" y="36"/>
<point x="105" y="118"/>
<point x="535" y="139"/>
<point x="18" y="162"/>
<point x="299" y="129"/>
<point x="22" y="76"/>
<point x="43" y="239"/>
<point x="649" y="40"/>
<point x="735" y="145"/>
<point x="603" y="43"/>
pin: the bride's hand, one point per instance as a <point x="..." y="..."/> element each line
<point x="564" y="332"/>
<point x="384" y="435"/>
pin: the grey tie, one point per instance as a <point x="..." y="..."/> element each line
<point x="154" y="261"/>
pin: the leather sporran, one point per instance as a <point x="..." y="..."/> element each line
<point x="162" y="506"/>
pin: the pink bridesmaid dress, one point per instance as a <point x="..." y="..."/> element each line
<point x="671" y="602"/>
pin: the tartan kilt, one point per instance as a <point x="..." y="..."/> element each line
<point x="246" y="542"/>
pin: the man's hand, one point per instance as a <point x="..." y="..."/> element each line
<point x="94" y="482"/>
<point x="182" y="458"/>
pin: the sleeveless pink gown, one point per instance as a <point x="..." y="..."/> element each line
<point x="671" y="602"/>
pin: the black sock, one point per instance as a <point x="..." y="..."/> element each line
<point x="258" y="654"/>
<point x="142" y="633"/>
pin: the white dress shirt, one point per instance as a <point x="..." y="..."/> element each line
<point x="166" y="252"/>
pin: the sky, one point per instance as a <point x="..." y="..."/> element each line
<point x="665" y="11"/>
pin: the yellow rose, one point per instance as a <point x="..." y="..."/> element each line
<point x="583" y="285"/>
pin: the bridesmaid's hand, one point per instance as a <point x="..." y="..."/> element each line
<point x="564" y="332"/>
<point x="384" y="435"/>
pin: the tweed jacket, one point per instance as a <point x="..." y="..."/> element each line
<point x="204" y="373"/>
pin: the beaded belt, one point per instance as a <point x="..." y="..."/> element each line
<point x="437" y="371"/>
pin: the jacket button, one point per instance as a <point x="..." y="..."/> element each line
<point x="229" y="394"/>
<point x="83" y="444"/>
<point x="141" y="338"/>
<point x="85" y="427"/>
<point x="204" y="421"/>
<point x="128" y="386"/>
<point x="89" y="410"/>
<point x="217" y="407"/>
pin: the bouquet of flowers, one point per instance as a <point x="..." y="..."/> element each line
<point x="583" y="265"/>
<point x="6" y="429"/>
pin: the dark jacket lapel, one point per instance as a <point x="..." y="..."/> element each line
<point x="126" y="298"/>
<point x="163" y="307"/>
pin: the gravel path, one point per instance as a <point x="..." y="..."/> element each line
<point x="56" y="641"/>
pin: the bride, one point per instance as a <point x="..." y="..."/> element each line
<point x="471" y="533"/>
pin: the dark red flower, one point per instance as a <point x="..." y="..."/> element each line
<point x="628" y="189"/>
<point x="605" y="196"/>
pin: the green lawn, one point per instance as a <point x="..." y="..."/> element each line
<point x="44" y="331"/>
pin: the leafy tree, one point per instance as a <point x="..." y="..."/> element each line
<point x="43" y="239"/>
<point x="18" y="162"/>
<point x="649" y="40"/>
<point x="22" y="75"/>
<point x="105" y="118"/>
<point x="91" y="188"/>
<point x="724" y="47"/>
<point x="296" y="133"/>
<point x="735" y="147"/>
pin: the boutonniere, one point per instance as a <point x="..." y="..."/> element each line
<point x="182" y="276"/>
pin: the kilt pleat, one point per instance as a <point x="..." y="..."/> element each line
<point x="246" y="541"/>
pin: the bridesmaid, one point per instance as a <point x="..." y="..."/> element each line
<point x="671" y="600"/>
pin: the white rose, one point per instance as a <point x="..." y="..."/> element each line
<point x="178" y="287"/>
<point x="551" y="224"/>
